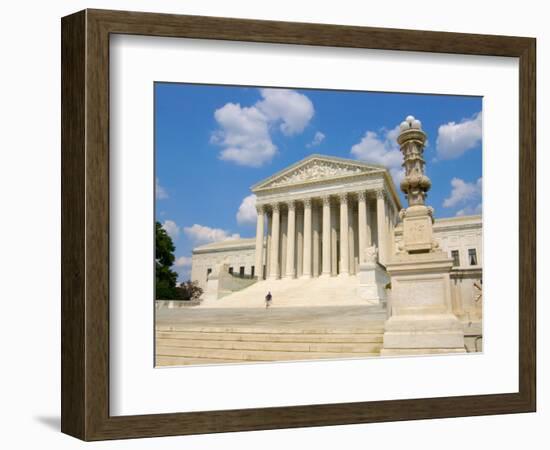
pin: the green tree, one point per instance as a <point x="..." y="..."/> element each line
<point x="165" y="277"/>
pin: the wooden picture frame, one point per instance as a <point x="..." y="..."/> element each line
<point x="85" y="224"/>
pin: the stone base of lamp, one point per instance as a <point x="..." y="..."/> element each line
<point x="422" y="321"/>
<point x="413" y="334"/>
<point x="417" y="229"/>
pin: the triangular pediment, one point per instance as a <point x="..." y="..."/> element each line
<point x="317" y="168"/>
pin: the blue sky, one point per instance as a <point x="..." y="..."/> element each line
<point x="213" y="142"/>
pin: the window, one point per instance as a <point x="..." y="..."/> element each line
<point x="456" y="258"/>
<point x="241" y="271"/>
<point x="208" y="272"/>
<point x="231" y="270"/>
<point x="252" y="271"/>
<point x="472" y="256"/>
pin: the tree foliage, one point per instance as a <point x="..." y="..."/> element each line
<point x="165" y="277"/>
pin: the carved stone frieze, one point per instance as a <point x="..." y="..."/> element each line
<point x="317" y="170"/>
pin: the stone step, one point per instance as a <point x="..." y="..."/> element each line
<point x="374" y="337"/>
<point x="183" y="361"/>
<point x="254" y="355"/>
<point x="375" y="327"/>
<point x="353" y="347"/>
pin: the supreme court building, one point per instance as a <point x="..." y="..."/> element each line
<point x="317" y="217"/>
<point x="320" y="213"/>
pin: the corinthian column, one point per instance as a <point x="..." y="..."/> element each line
<point x="316" y="241"/>
<point x="381" y="225"/>
<point x="326" y="236"/>
<point x="392" y="231"/>
<point x="333" y="242"/>
<point x="290" y="239"/>
<point x="344" y="235"/>
<point x="307" y="239"/>
<point x="259" y="262"/>
<point x="388" y="237"/>
<point x="299" y="248"/>
<point x="274" y="272"/>
<point x="362" y="223"/>
<point x="268" y="243"/>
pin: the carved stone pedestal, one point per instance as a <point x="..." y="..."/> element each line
<point x="417" y="229"/>
<point x="372" y="280"/>
<point x="421" y="319"/>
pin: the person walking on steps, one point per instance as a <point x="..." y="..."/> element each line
<point x="268" y="298"/>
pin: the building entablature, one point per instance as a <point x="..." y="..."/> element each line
<point x="319" y="176"/>
<point x="227" y="245"/>
<point x="332" y="190"/>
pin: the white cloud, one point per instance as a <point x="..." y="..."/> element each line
<point x="317" y="139"/>
<point x="454" y="139"/>
<point x="462" y="192"/>
<point x="247" y="211"/>
<point x="381" y="148"/>
<point x="293" y="109"/>
<point x="183" y="261"/>
<point x="160" y="192"/>
<point x="245" y="132"/>
<point x="465" y="194"/>
<point x="204" y="234"/>
<point x="171" y="228"/>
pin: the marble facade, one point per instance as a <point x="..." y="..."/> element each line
<point x="321" y="214"/>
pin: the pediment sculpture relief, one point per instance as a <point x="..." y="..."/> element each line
<point x="316" y="170"/>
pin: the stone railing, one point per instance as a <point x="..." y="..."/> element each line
<point x="174" y="304"/>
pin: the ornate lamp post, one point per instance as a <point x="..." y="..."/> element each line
<point x="412" y="140"/>
<point x="421" y="314"/>
<point x="417" y="218"/>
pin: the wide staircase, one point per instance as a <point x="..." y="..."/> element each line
<point x="211" y="345"/>
<point x="330" y="291"/>
<point x="310" y="319"/>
